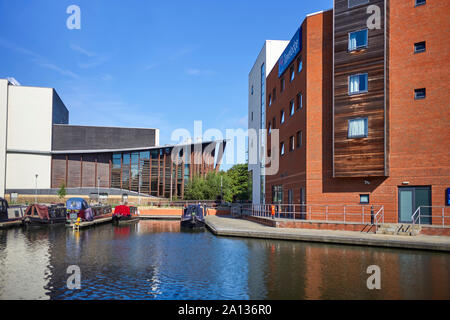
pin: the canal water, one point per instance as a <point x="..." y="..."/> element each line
<point x="155" y="260"/>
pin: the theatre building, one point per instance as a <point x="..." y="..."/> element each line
<point x="362" y="111"/>
<point x="40" y="151"/>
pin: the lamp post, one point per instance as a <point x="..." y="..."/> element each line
<point x="35" y="190"/>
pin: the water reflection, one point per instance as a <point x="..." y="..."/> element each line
<point x="154" y="260"/>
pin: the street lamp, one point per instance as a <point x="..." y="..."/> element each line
<point x="35" y="190"/>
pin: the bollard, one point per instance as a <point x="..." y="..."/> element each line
<point x="371" y="215"/>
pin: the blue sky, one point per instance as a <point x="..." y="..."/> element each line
<point x="141" y="63"/>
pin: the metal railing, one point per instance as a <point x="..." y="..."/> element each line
<point x="366" y="214"/>
<point x="379" y="217"/>
<point x="431" y="216"/>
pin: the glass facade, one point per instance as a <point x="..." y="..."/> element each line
<point x="152" y="172"/>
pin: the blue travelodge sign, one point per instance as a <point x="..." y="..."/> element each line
<point x="291" y="51"/>
<point x="447" y="197"/>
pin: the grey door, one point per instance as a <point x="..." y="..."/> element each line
<point x="409" y="199"/>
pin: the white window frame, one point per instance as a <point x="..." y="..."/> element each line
<point x="366" y="128"/>
<point x="360" y="91"/>
<point x="358" y="47"/>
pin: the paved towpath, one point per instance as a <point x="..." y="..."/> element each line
<point x="225" y="226"/>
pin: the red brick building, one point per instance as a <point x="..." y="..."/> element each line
<point x="370" y="122"/>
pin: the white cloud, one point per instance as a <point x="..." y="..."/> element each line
<point x="198" y="72"/>
<point x="81" y="50"/>
<point x="37" y="58"/>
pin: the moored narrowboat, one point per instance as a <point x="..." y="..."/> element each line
<point x="44" y="214"/>
<point x="125" y="214"/>
<point x="79" y="210"/>
<point x="10" y="215"/>
<point x="193" y="217"/>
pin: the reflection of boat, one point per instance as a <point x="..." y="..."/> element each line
<point x="44" y="214"/>
<point x="79" y="210"/>
<point x="193" y="217"/>
<point x="125" y="214"/>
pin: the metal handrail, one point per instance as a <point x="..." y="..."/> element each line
<point x="413" y="218"/>
<point x="309" y="211"/>
<point x="418" y="215"/>
<point x="378" y="215"/>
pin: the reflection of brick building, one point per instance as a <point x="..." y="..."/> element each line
<point x="369" y="120"/>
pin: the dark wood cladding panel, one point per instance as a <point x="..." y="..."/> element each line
<point x="89" y="171"/>
<point x="58" y="170"/>
<point x="103" y="160"/>
<point x="74" y="171"/>
<point x="361" y="157"/>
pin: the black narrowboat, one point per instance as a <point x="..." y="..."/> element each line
<point x="193" y="217"/>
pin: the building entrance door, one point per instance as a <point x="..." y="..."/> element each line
<point x="409" y="199"/>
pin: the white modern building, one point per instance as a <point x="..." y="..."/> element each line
<point x="27" y="115"/>
<point x="264" y="63"/>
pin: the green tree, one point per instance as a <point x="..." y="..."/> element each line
<point x="232" y="184"/>
<point x="239" y="182"/>
<point x="62" y="191"/>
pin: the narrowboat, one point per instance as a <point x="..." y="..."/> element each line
<point x="10" y="215"/>
<point x="193" y="217"/>
<point x="44" y="214"/>
<point x="79" y="208"/>
<point x="125" y="214"/>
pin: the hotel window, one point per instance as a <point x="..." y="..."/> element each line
<point x="252" y="90"/>
<point x="292" y="74"/>
<point x="270" y="100"/>
<point x="357" y="83"/>
<point x="274" y="123"/>
<point x="420" y="93"/>
<point x="299" y="139"/>
<point x="269" y="153"/>
<point x="354" y="3"/>
<point x="419" y="47"/>
<point x="292" y="107"/>
<point x="299" y="64"/>
<point x="357" y="128"/>
<point x="282" y="116"/>
<point x="282" y="148"/>
<point x="282" y="84"/>
<point x="299" y="101"/>
<point x="420" y="2"/>
<point x="357" y="39"/>
<point x="252" y="115"/>
<point x="363" y="198"/>
<point x="291" y="143"/>
<point x="277" y="194"/>
<point x="270" y="127"/>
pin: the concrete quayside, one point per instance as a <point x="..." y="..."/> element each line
<point x="235" y="227"/>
